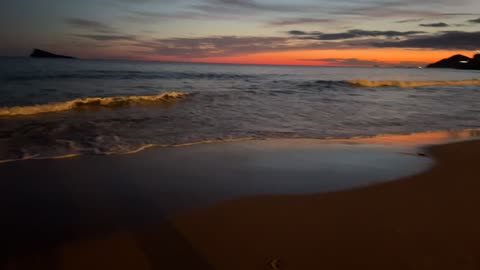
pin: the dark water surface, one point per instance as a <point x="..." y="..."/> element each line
<point x="44" y="111"/>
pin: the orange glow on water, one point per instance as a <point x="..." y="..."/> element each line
<point x="422" y="138"/>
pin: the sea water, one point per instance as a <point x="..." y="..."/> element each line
<point x="58" y="108"/>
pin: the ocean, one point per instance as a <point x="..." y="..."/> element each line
<point x="52" y="108"/>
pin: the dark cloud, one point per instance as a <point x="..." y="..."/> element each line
<point x="440" y="24"/>
<point x="89" y="25"/>
<point x="294" y="21"/>
<point x="351" y="34"/>
<point x="455" y="40"/>
<point x="404" y="9"/>
<point x="379" y="9"/>
<point x="355" y="62"/>
<point x="343" y="61"/>
<point x="153" y="16"/>
<point x="235" y="6"/>
<point x="216" y="46"/>
<point x="297" y="32"/>
<point x="409" y="20"/>
<point x="371" y="9"/>
<point x="408" y="10"/>
<point x="359" y="62"/>
<point x="99" y="32"/>
<point x="451" y="40"/>
<point x="106" y="37"/>
<point x="474" y="21"/>
<point x="220" y="10"/>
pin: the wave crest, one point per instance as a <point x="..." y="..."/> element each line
<point x="89" y="102"/>
<point x="369" y="83"/>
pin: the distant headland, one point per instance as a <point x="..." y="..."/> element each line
<point x="458" y="62"/>
<point x="37" y="53"/>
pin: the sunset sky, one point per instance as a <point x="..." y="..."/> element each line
<point x="304" y="32"/>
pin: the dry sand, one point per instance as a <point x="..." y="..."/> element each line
<point x="427" y="221"/>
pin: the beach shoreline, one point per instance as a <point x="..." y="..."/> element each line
<point x="424" y="221"/>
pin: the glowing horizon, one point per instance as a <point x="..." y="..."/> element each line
<point x="365" y="57"/>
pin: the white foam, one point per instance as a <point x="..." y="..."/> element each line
<point x="369" y="83"/>
<point x="89" y="101"/>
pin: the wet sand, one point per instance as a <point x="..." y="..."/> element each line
<point x="426" y="221"/>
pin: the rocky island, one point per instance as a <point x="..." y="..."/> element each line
<point x="458" y="62"/>
<point x="37" y="53"/>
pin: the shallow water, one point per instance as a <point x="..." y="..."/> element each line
<point x="223" y="102"/>
<point x="159" y="183"/>
<point x="47" y="203"/>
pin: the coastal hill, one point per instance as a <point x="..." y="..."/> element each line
<point x="44" y="54"/>
<point x="458" y="62"/>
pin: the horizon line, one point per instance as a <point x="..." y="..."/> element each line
<point x="217" y="63"/>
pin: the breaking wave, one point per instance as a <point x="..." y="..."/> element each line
<point x="369" y="83"/>
<point x="79" y="103"/>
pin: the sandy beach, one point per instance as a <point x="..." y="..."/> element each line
<point x="425" y="221"/>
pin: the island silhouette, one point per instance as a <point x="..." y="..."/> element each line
<point x="37" y="53"/>
<point x="458" y="61"/>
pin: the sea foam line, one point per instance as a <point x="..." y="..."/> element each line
<point x="89" y="102"/>
<point x="370" y="83"/>
<point x="133" y="151"/>
<point x="415" y="139"/>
